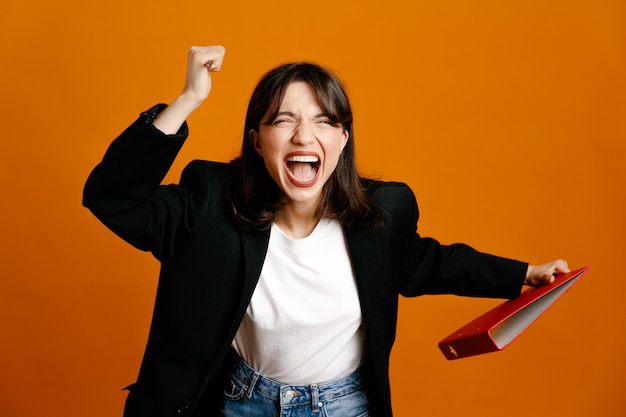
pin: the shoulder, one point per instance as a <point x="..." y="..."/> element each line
<point x="206" y="178"/>
<point x="206" y="170"/>
<point x="396" y="200"/>
<point x="390" y="194"/>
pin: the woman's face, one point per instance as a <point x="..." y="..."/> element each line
<point x="300" y="147"/>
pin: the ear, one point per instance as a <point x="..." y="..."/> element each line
<point x="253" y="135"/>
<point x="344" y="139"/>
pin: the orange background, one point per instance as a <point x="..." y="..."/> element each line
<point x="508" y="120"/>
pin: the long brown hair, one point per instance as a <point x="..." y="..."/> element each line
<point x="253" y="194"/>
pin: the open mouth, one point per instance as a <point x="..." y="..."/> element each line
<point x="302" y="169"/>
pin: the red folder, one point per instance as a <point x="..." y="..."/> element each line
<point x="498" y="327"/>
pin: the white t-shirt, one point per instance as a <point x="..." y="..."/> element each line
<point x="304" y="323"/>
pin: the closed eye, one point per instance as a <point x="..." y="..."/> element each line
<point x="278" y="122"/>
<point x="327" y="121"/>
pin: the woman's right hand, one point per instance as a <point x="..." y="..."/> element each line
<point x="201" y="61"/>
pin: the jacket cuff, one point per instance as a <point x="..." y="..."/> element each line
<point x="149" y="115"/>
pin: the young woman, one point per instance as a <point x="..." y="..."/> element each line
<point x="280" y="271"/>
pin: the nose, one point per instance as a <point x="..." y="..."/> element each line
<point x="304" y="134"/>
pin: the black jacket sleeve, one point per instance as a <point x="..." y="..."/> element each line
<point x="427" y="267"/>
<point x="124" y="190"/>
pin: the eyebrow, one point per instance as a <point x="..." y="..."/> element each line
<point x="291" y="114"/>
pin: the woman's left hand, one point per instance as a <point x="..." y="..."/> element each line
<point x="538" y="275"/>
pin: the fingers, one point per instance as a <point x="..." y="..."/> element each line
<point x="201" y="61"/>
<point x="560" y="266"/>
<point x="210" y="57"/>
<point x="538" y="275"/>
<point x="553" y="269"/>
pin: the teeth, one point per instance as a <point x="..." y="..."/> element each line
<point x="302" y="158"/>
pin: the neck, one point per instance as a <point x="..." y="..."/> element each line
<point x="296" y="222"/>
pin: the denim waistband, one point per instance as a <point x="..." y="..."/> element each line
<point x="286" y="395"/>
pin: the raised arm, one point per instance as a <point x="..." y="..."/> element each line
<point x="124" y="191"/>
<point x="202" y="60"/>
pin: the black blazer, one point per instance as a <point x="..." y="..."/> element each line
<point x="210" y="267"/>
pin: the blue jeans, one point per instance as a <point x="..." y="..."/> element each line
<point x="250" y="394"/>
